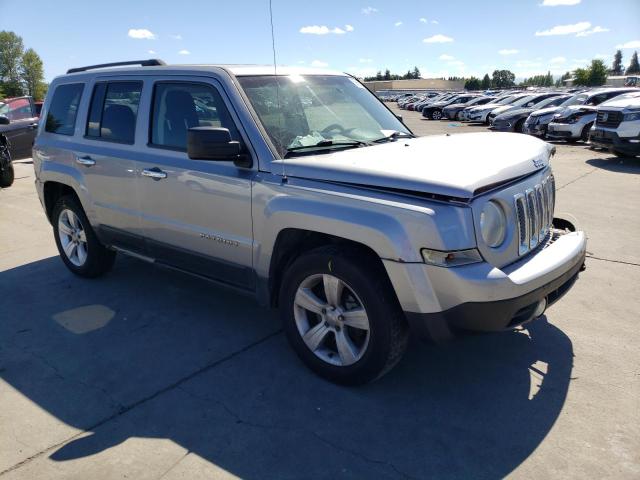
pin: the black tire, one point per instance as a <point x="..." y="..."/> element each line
<point x="365" y="276"/>
<point x="99" y="259"/>
<point x="519" y="127"/>
<point x="7" y="176"/>
<point x="584" y="136"/>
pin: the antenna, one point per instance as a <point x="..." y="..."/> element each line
<point x="275" y="74"/>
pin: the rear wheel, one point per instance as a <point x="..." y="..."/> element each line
<point x="7" y="176"/>
<point x="79" y="248"/>
<point x="341" y="315"/>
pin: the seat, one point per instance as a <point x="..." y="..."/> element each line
<point x="180" y="116"/>
<point x="118" y="123"/>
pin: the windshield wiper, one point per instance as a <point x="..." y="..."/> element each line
<point x="393" y="136"/>
<point x="329" y="143"/>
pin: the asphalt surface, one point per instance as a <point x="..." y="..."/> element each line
<point x="148" y="374"/>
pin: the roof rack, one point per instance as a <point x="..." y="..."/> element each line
<point x="152" y="62"/>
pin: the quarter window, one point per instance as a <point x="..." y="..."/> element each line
<point x="61" y="117"/>
<point x="177" y="107"/>
<point x="113" y="111"/>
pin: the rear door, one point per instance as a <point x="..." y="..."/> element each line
<point x="105" y="156"/>
<point x="22" y="129"/>
<point x="196" y="214"/>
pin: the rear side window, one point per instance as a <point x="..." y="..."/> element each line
<point x="177" y="107"/>
<point x="20" y="109"/>
<point x="113" y="111"/>
<point x="61" y="117"/>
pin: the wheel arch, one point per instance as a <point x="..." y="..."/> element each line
<point x="52" y="191"/>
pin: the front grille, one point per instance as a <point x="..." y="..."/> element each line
<point x="608" y="118"/>
<point x="534" y="209"/>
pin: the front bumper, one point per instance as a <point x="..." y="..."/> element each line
<point x="502" y="126"/>
<point x="479" y="297"/>
<point x="539" y="129"/>
<point x="564" y="130"/>
<point x="610" y="140"/>
<point x="478" y="116"/>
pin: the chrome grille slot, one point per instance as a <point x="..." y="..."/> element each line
<point x="534" y="211"/>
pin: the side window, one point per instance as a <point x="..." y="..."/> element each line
<point x="20" y="109"/>
<point x="113" y="111"/>
<point x="597" y="99"/>
<point x="61" y="117"/>
<point x="177" y="107"/>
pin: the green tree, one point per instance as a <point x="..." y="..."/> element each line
<point x="617" y="68"/>
<point x="11" y="48"/>
<point x="503" y="78"/>
<point x="486" y="82"/>
<point x="387" y="74"/>
<point x="472" y="84"/>
<point x="597" y="73"/>
<point x="32" y="74"/>
<point x="416" y="72"/>
<point x="581" y="76"/>
<point x="634" y="67"/>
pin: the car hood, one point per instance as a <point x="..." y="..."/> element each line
<point x="547" y="111"/>
<point x="502" y="109"/>
<point x="448" y="165"/>
<point x="516" y="112"/>
<point x="486" y="106"/>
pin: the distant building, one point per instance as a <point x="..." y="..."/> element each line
<point x="416" y="84"/>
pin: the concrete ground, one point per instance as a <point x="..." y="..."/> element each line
<point x="147" y="374"/>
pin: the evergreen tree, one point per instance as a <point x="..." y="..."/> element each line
<point x="617" y="68"/>
<point x="486" y="82"/>
<point x="634" y="67"/>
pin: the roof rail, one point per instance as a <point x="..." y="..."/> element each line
<point x="152" y="62"/>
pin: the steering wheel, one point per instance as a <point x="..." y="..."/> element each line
<point x="334" y="126"/>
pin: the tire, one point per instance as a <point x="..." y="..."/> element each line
<point x="96" y="259"/>
<point x="519" y="127"/>
<point x="7" y="176"/>
<point x="584" y="136"/>
<point x="373" y="350"/>
<point x="436" y="114"/>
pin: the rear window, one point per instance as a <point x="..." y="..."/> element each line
<point x="61" y="117"/>
<point x="113" y="111"/>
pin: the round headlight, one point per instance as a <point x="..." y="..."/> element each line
<point x="493" y="224"/>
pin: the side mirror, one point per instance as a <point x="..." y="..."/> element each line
<point x="211" y="143"/>
<point x="4" y="120"/>
<point x="399" y="117"/>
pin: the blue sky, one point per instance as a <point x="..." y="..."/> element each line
<point x="453" y="37"/>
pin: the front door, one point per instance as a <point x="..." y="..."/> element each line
<point x="194" y="214"/>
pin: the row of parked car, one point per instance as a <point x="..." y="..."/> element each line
<point x="607" y="117"/>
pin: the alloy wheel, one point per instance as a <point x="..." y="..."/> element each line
<point x="331" y="320"/>
<point x="73" y="237"/>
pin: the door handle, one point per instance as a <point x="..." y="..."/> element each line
<point x="154" y="173"/>
<point x="87" y="161"/>
<point x="34" y="125"/>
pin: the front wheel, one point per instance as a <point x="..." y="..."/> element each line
<point x="7" y="176"/>
<point x="341" y="315"/>
<point x="79" y="248"/>
<point x="519" y="128"/>
<point x="436" y="115"/>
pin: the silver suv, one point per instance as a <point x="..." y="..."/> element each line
<point x="301" y="188"/>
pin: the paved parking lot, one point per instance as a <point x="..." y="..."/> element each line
<point x="147" y="373"/>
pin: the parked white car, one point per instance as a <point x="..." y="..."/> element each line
<point x="617" y="126"/>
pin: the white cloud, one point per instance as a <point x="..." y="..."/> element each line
<point x="319" y="63"/>
<point x="141" y="33"/>
<point x="324" y="30"/>
<point x="558" y="60"/>
<point x="184" y="52"/>
<point x="423" y="20"/>
<point x="556" y="3"/>
<point x="348" y="28"/>
<point x="508" y="51"/>
<point x="365" y="60"/>
<point x="369" y="10"/>
<point x="435" y="22"/>
<point x="152" y="52"/>
<point x="565" y="29"/>
<point x="631" y="44"/>
<point x="397" y="24"/>
<point x="176" y="36"/>
<point x="596" y="29"/>
<point x="444" y="56"/>
<point x="438" y="39"/>
<point x="601" y="56"/>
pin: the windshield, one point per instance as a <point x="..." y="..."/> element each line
<point x="310" y="113"/>
<point x="576" y="100"/>
<point x="4" y="109"/>
<point x="523" y="100"/>
<point x="506" y="100"/>
<point x="551" y="101"/>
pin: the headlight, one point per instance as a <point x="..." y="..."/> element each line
<point x="630" y="117"/>
<point x="453" y="258"/>
<point x="493" y="224"/>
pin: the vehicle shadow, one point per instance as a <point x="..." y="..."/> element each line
<point x="617" y="164"/>
<point x="145" y="352"/>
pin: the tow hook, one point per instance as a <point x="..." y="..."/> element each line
<point x="583" y="267"/>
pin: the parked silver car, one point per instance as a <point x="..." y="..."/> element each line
<point x="305" y="191"/>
